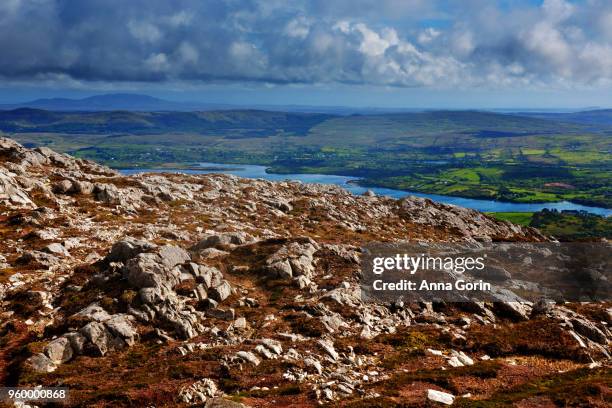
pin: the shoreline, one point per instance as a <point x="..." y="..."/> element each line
<point x="356" y="182"/>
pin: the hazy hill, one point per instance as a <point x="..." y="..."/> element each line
<point x="591" y="117"/>
<point x="109" y="102"/>
<point x="249" y="123"/>
<point x="266" y="123"/>
<point x="145" y="103"/>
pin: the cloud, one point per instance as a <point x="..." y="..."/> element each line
<point x="297" y="28"/>
<point x="428" y="35"/>
<point x="157" y="62"/>
<point x="144" y="31"/>
<point x="404" y="43"/>
<point x="557" y="10"/>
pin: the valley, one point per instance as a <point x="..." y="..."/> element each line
<point x="460" y="153"/>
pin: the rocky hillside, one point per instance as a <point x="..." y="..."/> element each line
<point x="212" y="290"/>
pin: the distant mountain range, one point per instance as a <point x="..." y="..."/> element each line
<point x="590" y="117"/>
<point x="112" y="102"/>
<point x="251" y="123"/>
<point x="145" y="103"/>
<point x="236" y="123"/>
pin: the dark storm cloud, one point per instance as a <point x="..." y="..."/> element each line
<point x="384" y="42"/>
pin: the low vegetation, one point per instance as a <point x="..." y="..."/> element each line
<point x="564" y="225"/>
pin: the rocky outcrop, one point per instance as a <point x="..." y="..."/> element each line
<point x="129" y="199"/>
<point x="199" y="392"/>
<point x="101" y="334"/>
<point x="213" y="285"/>
<point x="154" y="274"/>
<point x="11" y="193"/>
<point x="469" y="223"/>
<point x="293" y="260"/>
<point x="228" y="239"/>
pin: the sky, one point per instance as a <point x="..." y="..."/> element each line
<point x="376" y="53"/>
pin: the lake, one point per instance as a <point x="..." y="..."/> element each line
<point x="347" y="182"/>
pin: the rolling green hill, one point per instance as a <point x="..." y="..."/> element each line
<point x="466" y="153"/>
<point x="233" y="123"/>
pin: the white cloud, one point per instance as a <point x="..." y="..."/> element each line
<point x="157" y="62"/>
<point x="597" y="62"/>
<point x="428" y="35"/>
<point x="388" y="59"/>
<point x="557" y="10"/>
<point x="374" y="43"/>
<point x="242" y="50"/>
<point x="546" y="42"/>
<point x="182" y="18"/>
<point x="605" y="24"/>
<point x="144" y="31"/>
<point x="379" y="42"/>
<point x="322" y="42"/>
<point x="297" y="28"/>
<point x="188" y="53"/>
<point x="463" y="43"/>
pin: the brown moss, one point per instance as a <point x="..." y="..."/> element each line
<point x="186" y="287"/>
<point x="541" y="337"/>
<point x="307" y="326"/>
<point x="577" y="388"/>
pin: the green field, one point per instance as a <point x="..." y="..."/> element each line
<point x="521" y="218"/>
<point x="463" y="153"/>
<point x="564" y="225"/>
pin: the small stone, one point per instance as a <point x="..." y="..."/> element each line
<point x="462" y="357"/>
<point x="248" y="357"/>
<point x="199" y="392"/>
<point x="221" y="292"/>
<point x="222" y="314"/>
<point x="328" y="347"/>
<point x="59" y="350"/>
<point x="57" y="249"/>
<point x="62" y="187"/>
<point x="41" y="363"/>
<point x="343" y="389"/>
<point x="302" y="281"/>
<point x="43" y="259"/>
<point x="100" y="338"/>
<point x="172" y="255"/>
<point x="121" y="325"/>
<point x="93" y="312"/>
<point x="273" y="346"/>
<point x="280" y="269"/>
<point x="264" y="352"/>
<point x="127" y="249"/>
<point x="200" y="292"/>
<point x="454" y="362"/>
<point x="77" y="342"/>
<point x="366" y="333"/>
<point x="240" y="323"/>
<point x="314" y="364"/>
<point x="292" y="354"/>
<point x="441" y="397"/>
<point x="328" y="394"/>
<point x="581" y="342"/>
